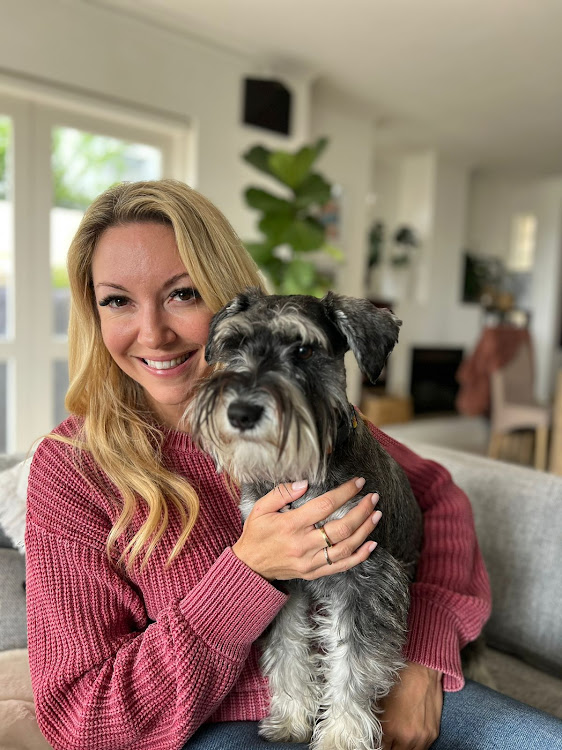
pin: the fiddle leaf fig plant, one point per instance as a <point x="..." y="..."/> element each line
<point x="289" y="222"/>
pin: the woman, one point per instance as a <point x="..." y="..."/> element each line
<point x="145" y="594"/>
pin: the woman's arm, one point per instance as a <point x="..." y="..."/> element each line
<point x="104" y="676"/>
<point x="450" y="602"/>
<point x="451" y="597"/>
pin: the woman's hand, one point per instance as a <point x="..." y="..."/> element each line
<point x="412" y="710"/>
<point x="281" y="546"/>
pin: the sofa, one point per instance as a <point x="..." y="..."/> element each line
<point x="517" y="513"/>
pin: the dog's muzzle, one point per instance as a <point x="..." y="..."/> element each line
<point x="243" y="415"/>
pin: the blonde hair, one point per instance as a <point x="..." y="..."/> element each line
<point x="118" y="429"/>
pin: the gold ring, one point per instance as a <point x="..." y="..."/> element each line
<point x="326" y="538"/>
<point x="327" y="556"/>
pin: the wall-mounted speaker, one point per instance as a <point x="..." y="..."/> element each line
<point x="267" y="104"/>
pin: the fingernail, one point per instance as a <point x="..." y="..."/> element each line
<point x="371" y="546"/>
<point x="376" y="517"/>
<point x="300" y="485"/>
<point x="360" y="482"/>
<point x="375" y="498"/>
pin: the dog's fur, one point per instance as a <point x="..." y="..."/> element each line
<point x="275" y="412"/>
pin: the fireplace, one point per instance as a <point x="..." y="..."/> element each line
<point x="433" y="385"/>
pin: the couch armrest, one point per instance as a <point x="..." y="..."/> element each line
<point x="517" y="512"/>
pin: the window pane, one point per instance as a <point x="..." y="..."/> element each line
<point x="3" y="407"/>
<point x="6" y="223"/>
<point x="60" y="380"/>
<point x="83" y="165"/>
<point x="523" y="243"/>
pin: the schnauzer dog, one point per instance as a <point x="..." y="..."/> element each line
<point x="277" y="411"/>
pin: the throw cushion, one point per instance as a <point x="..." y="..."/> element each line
<point x="13" y="621"/>
<point x="13" y="496"/>
<point x="18" y="725"/>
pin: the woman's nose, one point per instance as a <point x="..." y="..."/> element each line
<point x="154" y="329"/>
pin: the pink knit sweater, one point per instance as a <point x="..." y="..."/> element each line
<point x="141" y="661"/>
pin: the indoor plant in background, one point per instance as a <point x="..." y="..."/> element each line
<point x="392" y="260"/>
<point x="405" y="243"/>
<point x="293" y="236"/>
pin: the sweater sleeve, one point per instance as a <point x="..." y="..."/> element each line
<point x="451" y="597"/>
<point x="103" y="677"/>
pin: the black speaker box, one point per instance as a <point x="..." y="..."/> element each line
<point x="267" y="105"/>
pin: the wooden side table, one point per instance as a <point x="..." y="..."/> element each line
<point x="385" y="409"/>
<point x="555" y="463"/>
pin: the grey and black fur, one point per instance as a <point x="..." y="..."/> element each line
<point x="277" y="411"/>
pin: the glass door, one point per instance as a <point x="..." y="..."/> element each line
<point x="53" y="163"/>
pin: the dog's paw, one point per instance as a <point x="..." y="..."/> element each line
<point x="295" y="728"/>
<point x="362" y="732"/>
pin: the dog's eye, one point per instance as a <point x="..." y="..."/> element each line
<point x="305" y="351"/>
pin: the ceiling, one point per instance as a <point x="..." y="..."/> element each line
<point x="479" y="79"/>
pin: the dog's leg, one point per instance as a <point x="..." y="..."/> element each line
<point x="291" y="667"/>
<point x="362" y="629"/>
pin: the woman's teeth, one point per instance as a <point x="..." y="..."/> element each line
<point x="167" y="365"/>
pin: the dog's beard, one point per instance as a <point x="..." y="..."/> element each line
<point x="283" y="446"/>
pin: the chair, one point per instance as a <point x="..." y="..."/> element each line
<point x="513" y="406"/>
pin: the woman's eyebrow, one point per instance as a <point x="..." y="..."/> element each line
<point x="113" y="286"/>
<point x="170" y="282"/>
<point x="177" y="278"/>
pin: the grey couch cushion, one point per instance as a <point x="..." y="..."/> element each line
<point x="517" y="512"/>
<point x="13" y="623"/>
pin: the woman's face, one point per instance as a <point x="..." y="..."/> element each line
<point x="153" y="321"/>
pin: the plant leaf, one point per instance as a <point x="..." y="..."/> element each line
<point x="334" y="252"/>
<point x="260" y="252"/>
<point x="314" y="189"/>
<point x="293" y="169"/>
<point x="300" y="275"/>
<point x="264" y="201"/>
<point x="304" y="235"/>
<point x="258" y="157"/>
<point x="275" y="227"/>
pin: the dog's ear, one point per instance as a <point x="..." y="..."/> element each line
<point x="239" y="304"/>
<point x="370" y="332"/>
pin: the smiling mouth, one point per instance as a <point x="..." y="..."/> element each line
<point x="166" y="364"/>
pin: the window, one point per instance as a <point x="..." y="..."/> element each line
<point x="523" y="240"/>
<point x="6" y="259"/>
<point x="53" y="162"/>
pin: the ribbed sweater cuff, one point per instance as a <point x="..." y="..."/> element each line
<point x="231" y="606"/>
<point x="433" y="640"/>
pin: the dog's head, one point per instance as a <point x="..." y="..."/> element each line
<point x="274" y="408"/>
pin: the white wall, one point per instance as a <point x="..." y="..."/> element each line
<point x="452" y="212"/>
<point x="87" y="50"/>
<point x="429" y="194"/>
<point x="494" y="201"/>
<point x="348" y="163"/>
<point x="93" y="50"/>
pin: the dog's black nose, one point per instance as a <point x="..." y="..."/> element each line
<point x="243" y="415"/>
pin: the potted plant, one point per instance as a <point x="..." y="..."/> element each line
<point x="405" y="242"/>
<point x="290" y="224"/>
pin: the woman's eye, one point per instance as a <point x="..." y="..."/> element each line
<point x="113" y="301"/>
<point x="184" y="295"/>
<point x="305" y="351"/>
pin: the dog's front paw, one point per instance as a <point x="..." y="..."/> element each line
<point x="361" y="731"/>
<point x="293" y="724"/>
